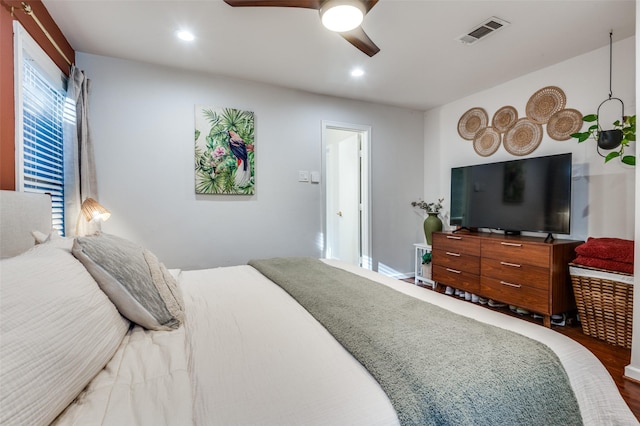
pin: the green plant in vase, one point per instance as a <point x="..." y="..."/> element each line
<point x="432" y="223"/>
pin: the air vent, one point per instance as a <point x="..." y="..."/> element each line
<point x="489" y="26"/>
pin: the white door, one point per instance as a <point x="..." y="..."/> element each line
<point x="346" y="197"/>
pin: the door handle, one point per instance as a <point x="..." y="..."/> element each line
<point x="339" y="214"/>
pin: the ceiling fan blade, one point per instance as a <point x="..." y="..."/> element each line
<point x="361" y="40"/>
<point x="368" y="4"/>
<point x="307" y="4"/>
<point x="356" y="37"/>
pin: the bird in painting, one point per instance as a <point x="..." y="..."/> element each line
<point x="239" y="149"/>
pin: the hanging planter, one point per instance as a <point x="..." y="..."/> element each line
<point x="623" y="131"/>
<point x="609" y="139"/>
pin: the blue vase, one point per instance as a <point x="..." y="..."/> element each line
<point x="431" y="224"/>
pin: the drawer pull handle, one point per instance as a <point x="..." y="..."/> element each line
<point x="453" y="254"/>
<point x="515" y="265"/>
<point x="453" y="270"/>
<point x="452" y="237"/>
<point x="510" y="284"/>
<point x="511" y="244"/>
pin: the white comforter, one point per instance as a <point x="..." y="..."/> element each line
<point x="249" y="355"/>
<point x="145" y="383"/>
<point x="258" y="358"/>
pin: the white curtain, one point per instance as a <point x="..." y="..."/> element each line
<point x="79" y="164"/>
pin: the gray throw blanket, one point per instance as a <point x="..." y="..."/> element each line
<point x="437" y="367"/>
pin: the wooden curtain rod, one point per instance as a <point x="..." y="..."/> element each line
<point x="29" y="11"/>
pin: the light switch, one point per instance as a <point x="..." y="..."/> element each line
<point x="315" y="177"/>
<point x="303" y="176"/>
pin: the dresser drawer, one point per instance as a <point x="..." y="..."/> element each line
<point x="516" y="273"/>
<point x="457" y="243"/>
<point x="455" y="260"/>
<point x="531" y="298"/>
<point x="456" y="278"/>
<point x="517" y="252"/>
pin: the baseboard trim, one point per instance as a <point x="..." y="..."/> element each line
<point x="632" y="373"/>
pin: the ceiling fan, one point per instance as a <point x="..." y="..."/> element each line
<point x="354" y="33"/>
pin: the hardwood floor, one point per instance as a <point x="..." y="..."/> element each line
<point x="614" y="358"/>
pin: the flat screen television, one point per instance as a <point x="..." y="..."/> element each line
<point x="531" y="194"/>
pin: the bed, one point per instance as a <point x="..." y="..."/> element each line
<point x="232" y="347"/>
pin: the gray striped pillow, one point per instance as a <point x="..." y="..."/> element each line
<point x="135" y="281"/>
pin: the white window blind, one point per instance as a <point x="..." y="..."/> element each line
<point x="43" y="112"/>
<point x="41" y="100"/>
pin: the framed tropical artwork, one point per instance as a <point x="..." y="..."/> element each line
<point x="224" y="151"/>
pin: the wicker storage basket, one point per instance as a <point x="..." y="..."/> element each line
<point x="605" y="305"/>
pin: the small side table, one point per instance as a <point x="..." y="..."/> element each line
<point x="422" y="272"/>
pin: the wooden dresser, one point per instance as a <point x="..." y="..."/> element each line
<point x="517" y="270"/>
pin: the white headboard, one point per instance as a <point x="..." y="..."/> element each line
<point x="21" y="213"/>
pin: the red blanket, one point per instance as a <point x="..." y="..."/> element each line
<point x="610" y="265"/>
<point x="615" y="249"/>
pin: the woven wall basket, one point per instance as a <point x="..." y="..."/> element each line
<point x="504" y="119"/>
<point x="544" y="103"/>
<point x="471" y="122"/>
<point x="487" y="141"/>
<point x="563" y="123"/>
<point x="523" y="138"/>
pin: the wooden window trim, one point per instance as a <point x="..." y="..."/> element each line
<point x="7" y="98"/>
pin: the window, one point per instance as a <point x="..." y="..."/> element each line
<point x="40" y="116"/>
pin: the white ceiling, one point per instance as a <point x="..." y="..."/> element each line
<point x="420" y="64"/>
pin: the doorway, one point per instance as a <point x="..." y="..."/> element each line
<point x="346" y="192"/>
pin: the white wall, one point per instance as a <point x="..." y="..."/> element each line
<point x="633" y="370"/>
<point x="142" y="119"/>
<point x="604" y="194"/>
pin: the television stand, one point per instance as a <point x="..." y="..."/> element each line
<point x="523" y="271"/>
<point x="549" y="238"/>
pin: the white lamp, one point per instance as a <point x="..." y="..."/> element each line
<point x="342" y="15"/>
<point x="92" y="210"/>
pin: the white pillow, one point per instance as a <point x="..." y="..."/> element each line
<point x="58" y="331"/>
<point x="53" y="238"/>
<point x="136" y="282"/>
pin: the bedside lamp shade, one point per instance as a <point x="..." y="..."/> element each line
<point x="92" y="210"/>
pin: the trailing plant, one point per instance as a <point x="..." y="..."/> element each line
<point x="628" y="129"/>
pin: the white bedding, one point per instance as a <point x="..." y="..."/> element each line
<point x="145" y="383"/>
<point x="257" y="357"/>
<point x="250" y="355"/>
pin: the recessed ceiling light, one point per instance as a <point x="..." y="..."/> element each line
<point x="357" y="72"/>
<point x="185" y="35"/>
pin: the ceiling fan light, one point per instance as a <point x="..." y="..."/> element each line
<point x="340" y="16"/>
